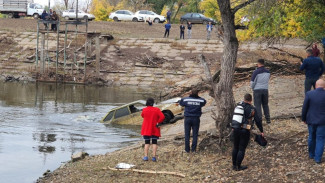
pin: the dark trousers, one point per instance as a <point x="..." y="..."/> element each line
<point x="166" y="33"/>
<point x="241" y="139"/>
<point x="53" y="27"/>
<point x="182" y="35"/>
<point x="261" y="99"/>
<point x="194" y="124"/>
<point x="309" y="83"/>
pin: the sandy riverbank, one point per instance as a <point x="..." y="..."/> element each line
<point x="284" y="160"/>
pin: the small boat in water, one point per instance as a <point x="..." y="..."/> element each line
<point x="130" y="114"/>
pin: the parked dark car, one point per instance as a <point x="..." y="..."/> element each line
<point x="196" y="18"/>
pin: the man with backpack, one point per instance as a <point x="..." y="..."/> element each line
<point x="243" y="121"/>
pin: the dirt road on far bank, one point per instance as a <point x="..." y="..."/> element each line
<point x="117" y="29"/>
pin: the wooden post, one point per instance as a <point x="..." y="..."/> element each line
<point x="105" y="40"/>
<point x="89" y="46"/>
<point x="97" y="56"/>
<point x="42" y="52"/>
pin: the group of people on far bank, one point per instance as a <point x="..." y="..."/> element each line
<point x="313" y="113"/>
<point x="52" y="15"/>
<point x="182" y="27"/>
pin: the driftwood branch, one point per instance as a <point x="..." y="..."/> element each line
<point x="149" y="171"/>
<point x="283" y="51"/>
<point x="289" y="137"/>
<point x="208" y="74"/>
<point x="288" y="116"/>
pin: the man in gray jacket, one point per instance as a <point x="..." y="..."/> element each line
<point x="260" y="85"/>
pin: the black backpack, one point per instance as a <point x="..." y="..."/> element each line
<point x="238" y="118"/>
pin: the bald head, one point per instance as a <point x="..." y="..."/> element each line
<point x="320" y="83"/>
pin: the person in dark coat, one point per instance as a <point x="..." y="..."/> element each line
<point x="313" y="114"/>
<point x="182" y="29"/>
<point x="242" y="134"/>
<point x="314" y="68"/>
<point x="167" y="27"/>
<point x="54" y="17"/>
<point x="193" y="111"/>
<point x="316" y="51"/>
<point x="45" y="16"/>
<point x="169" y="14"/>
<point x="151" y="117"/>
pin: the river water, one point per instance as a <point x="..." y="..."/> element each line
<point x="42" y="125"/>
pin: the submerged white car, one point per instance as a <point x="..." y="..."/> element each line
<point x="71" y="14"/>
<point x="146" y="15"/>
<point x="124" y="15"/>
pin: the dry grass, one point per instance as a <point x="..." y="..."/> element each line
<point x="178" y="45"/>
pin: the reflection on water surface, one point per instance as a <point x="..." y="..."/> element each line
<point x="42" y="125"/>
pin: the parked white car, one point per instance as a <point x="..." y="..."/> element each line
<point x="146" y="14"/>
<point x="124" y="15"/>
<point x="71" y="14"/>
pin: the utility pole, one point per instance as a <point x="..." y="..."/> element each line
<point x="77" y="11"/>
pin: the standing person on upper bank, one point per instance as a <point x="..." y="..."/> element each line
<point x="169" y="14"/>
<point x="182" y="29"/>
<point x="167" y="28"/>
<point x="260" y="85"/>
<point x="314" y="68"/>
<point x="193" y="111"/>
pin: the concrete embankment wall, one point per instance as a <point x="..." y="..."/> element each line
<point x="155" y="62"/>
<point x="135" y="62"/>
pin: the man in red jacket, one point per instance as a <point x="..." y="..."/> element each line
<point x="151" y="117"/>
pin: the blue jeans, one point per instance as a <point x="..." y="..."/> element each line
<point x="309" y="83"/>
<point x="194" y="124"/>
<point x="316" y="140"/>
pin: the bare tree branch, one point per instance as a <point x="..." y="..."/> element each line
<point x="243" y="27"/>
<point x="235" y="9"/>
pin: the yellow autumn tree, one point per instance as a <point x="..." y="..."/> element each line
<point x="164" y="11"/>
<point x="101" y="9"/>
<point x="211" y="9"/>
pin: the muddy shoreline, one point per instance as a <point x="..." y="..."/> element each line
<point x="285" y="155"/>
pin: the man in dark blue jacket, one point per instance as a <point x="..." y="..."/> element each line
<point x="167" y="27"/>
<point x="169" y="14"/>
<point x="193" y="111"/>
<point x="45" y="16"/>
<point x="314" y="69"/>
<point x="313" y="114"/>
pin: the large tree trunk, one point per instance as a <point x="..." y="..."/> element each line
<point x="180" y="4"/>
<point x="224" y="93"/>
